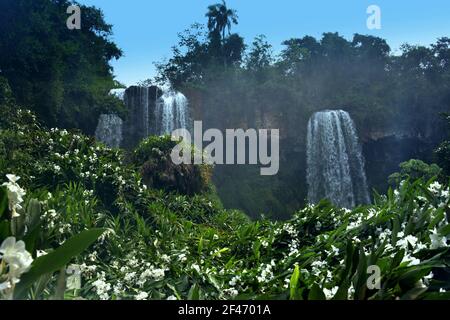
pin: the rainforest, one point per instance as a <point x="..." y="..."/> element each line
<point x="94" y="207"/>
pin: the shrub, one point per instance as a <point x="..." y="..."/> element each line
<point x="414" y="170"/>
<point x="153" y="157"/>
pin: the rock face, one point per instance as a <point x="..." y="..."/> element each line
<point x="141" y="103"/>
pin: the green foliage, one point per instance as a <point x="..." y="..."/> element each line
<point x="63" y="75"/>
<point x="404" y="92"/>
<point x="260" y="55"/>
<point x="57" y="259"/>
<point x="160" y="245"/>
<point x="200" y="53"/>
<point x="442" y="153"/>
<point x="414" y="170"/>
<point x="28" y="227"/>
<point x="220" y="18"/>
<point x="443" y="156"/>
<point x="153" y="157"/>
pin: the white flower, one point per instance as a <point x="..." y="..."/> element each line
<point x="102" y="288"/>
<point x="412" y="240"/>
<point x="427" y="278"/>
<point x="234" y="280"/>
<point x="40" y="253"/>
<point x="18" y="259"/>
<point x="15" y="194"/>
<point x="411" y="261"/>
<point x="141" y="296"/>
<point x="165" y="258"/>
<point x="445" y="193"/>
<point x="335" y="250"/>
<point x="172" y="298"/>
<point x="435" y="187"/>
<point x="318" y="225"/>
<point x="196" y="267"/>
<point x="130" y="276"/>
<point x="403" y="243"/>
<point x="437" y="241"/>
<point x="5" y="286"/>
<point x="329" y="294"/>
<point x="231" y="292"/>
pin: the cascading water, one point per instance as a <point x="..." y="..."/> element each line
<point x="149" y="113"/>
<point x="109" y="130"/>
<point x="171" y="112"/>
<point x="335" y="164"/>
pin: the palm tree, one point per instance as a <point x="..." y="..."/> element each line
<point x="220" y="18"/>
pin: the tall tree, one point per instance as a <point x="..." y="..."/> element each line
<point x="220" y="19"/>
<point x="63" y="75"/>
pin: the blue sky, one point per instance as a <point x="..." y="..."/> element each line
<point x="147" y="29"/>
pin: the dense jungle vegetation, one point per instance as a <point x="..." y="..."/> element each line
<point x="134" y="226"/>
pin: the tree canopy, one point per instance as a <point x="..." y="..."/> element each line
<point x="64" y="75"/>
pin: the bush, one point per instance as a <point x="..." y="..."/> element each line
<point x="443" y="156"/>
<point x="414" y="170"/>
<point x="153" y="157"/>
<point x="160" y="245"/>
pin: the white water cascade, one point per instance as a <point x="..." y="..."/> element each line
<point x="109" y="130"/>
<point x="171" y="112"/>
<point x="335" y="164"/>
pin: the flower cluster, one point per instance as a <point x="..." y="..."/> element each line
<point x="16" y="260"/>
<point x="15" y="194"/>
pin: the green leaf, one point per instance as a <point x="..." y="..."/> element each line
<point x="395" y="262"/>
<point x="413" y="294"/>
<point x="5" y="229"/>
<point x="360" y="278"/>
<point x="200" y="246"/>
<point x="31" y="238"/>
<point x="194" y="293"/>
<point x="3" y="201"/>
<point x="342" y="293"/>
<point x="316" y="293"/>
<point x="437" y="296"/>
<point x="414" y="274"/>
<point x="213" y="280"/>
<point x="346" y="272"/>
<point x="174" y="290"/>
<point x="60" y="288"/>
<point x="57" y="259"/>
<point x="445" y="230"/>
<point x="256" y="249"/>
<point x="294" y="284"/>
<point x="220" y="252"/>
<point x="395" y="229"/>
<point x="34" y="213"/>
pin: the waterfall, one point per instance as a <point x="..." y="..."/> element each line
<point x="150" y="112"/>
<point x="335" y="164"/>
<point x="171" y="112"/>
<point x="109" y="130"/>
